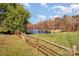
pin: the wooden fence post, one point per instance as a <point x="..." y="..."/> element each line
<point x="74" y="50"/>
<point x="23" y="36"/>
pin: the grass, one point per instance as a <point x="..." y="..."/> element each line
<point x="64" y="38"/>
<point x="11" y="45"/>
<point x="67" y="39"/>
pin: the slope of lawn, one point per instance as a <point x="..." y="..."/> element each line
<point x="11" y="45"/>
<point x="67" y="39"/>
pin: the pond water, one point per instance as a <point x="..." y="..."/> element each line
<point x="36" y="31"/>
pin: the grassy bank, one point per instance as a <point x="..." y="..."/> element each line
<point x="67" y="39"/>
<point x="11" y="45"/>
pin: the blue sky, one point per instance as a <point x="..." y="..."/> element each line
<point x="44" y="11"/>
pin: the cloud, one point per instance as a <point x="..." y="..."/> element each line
<point x="58" y="12"/>
<point x="44" y="4"/>
<point x="54" y="16"/>
<point x="41" y="17"/>
<point x="75" y="6"/>
<point x="58" y="7"/>
<point x="77" y="12"/>
<point x="27" y="4"/>
<point x="62" y="9"/>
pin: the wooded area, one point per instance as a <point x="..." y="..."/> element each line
<point x="66" y="24"/>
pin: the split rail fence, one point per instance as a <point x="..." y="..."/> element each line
<point x="49" y="48"/>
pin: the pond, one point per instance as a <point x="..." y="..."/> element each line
<point x="37" y="31"/>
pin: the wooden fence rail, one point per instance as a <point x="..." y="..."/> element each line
<point x="51" y="43"/>
<point x="72" y="51"/>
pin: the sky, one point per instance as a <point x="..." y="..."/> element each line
<point x="45" y="11"/>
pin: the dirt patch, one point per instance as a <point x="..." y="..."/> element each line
<point x="5" y="42"/>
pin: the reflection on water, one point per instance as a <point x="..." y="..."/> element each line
<point x="36" y="31"/>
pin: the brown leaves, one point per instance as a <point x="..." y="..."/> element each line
<point x="67" y="24"/>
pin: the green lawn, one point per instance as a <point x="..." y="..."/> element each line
<point x="11" y="45"/>
<point x="64" y="38"/>
<point x="67" y="39"/>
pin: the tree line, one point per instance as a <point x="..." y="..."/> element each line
<point x="65" y="23"/>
